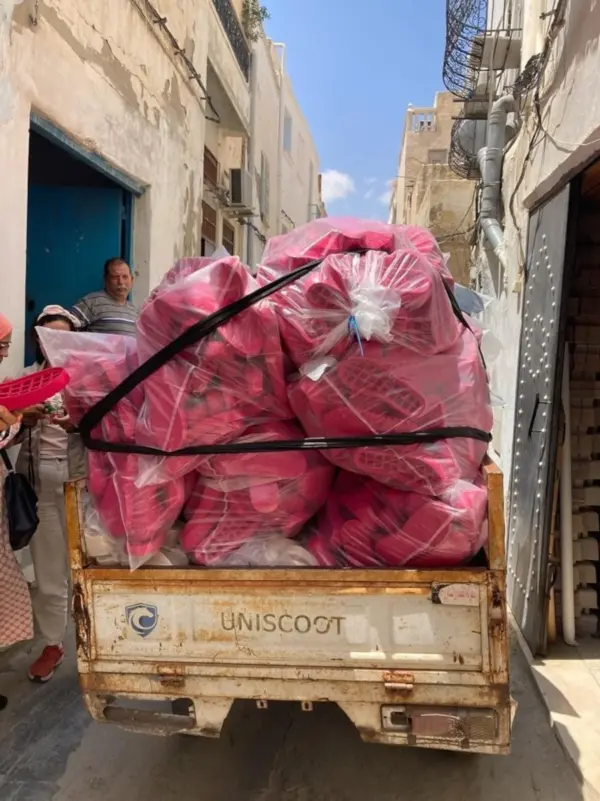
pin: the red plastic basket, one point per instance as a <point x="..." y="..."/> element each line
<point x="32" y="389"/>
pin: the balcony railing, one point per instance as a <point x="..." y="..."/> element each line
<point x="235" y="34"/>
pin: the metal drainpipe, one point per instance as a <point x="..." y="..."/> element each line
<point x="490" y="165"/>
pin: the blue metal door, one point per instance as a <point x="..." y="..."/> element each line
<point x="71" y="231"/>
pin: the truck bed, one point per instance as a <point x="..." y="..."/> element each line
<point x="413" y="657"/>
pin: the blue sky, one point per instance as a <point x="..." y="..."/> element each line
<point x="354" y="74"/>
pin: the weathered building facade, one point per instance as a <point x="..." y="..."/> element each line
<point x="426" y="191"/>
<point x="530" y="129"/>
<point x="102" y="134"/>
<point x="126" y="131"/>
<point x="283" y="157"/>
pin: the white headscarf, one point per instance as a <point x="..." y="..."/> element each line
<point x="57" y="311"/>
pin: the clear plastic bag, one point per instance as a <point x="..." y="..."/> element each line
<point x="381" y="350"/>
<point x="375" y="347"/>
<point x="137" y="519"/>
<point x="214" y="390"/>
<point x="108" y="551"/>
<point x="391" y="390"/>
<point x="394" y="294"/>
<point x="366" y="524"/>
<point x="269" y="551"/>
<point x="237" y="497"/>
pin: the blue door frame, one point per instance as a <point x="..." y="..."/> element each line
<point x="57" y="137"/>
<point x="72" y="230"/>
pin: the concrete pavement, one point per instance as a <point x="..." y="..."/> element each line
<point x="51" y="751"/>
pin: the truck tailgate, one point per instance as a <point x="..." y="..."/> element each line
<point x="314" y="620"/>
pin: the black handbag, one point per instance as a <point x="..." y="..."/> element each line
<point x="20" y="501"/>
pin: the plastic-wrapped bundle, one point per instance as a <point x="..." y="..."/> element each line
<point x="240" y="496"/>
<point x="396" y="293"/>
<point x="139" y="518"/>
<point x="329" y="235"/>
<point x="366" y="524"/>
<point x="212" y="391"/>
<point x="97" y="363"/>
<point x="107" y="551"/>
<point x="388" y="390"/>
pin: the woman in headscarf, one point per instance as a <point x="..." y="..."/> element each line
<point x="44" y="455"/>
<point x="16" y="623"/>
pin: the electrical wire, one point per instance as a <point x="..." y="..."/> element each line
<point x="459" y="230"/>
<point x="161" y="21"/>
<point x="557" y="16"/>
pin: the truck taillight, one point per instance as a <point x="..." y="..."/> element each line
<point x="449" y="723"/>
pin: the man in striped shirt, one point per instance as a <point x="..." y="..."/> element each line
<point x="110" y="311"/>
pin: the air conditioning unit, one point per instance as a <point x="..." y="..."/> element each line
<point x="241" y="190"/>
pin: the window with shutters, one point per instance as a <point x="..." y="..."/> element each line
<point x="229" y="237"/>
<point x="211" y="168"/>
<point x="265" y="178"/>
<point x="209" y="223"/>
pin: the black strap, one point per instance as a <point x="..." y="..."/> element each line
<point x="6" y="460"/>
<point x="205" y="328"/>
<point x="309" y="443"/>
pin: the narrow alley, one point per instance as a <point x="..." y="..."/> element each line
<point x="50" y="750"/>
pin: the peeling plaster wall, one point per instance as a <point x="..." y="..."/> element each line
<point x="108" y="78"/>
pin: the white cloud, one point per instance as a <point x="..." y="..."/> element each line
<point x="386" y="196"/>
<point x="371" y="181"/>
<point x="369" y="194"/>
<point x="337" y="185"/>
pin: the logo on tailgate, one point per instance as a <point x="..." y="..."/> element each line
<point x="143" y="618"/>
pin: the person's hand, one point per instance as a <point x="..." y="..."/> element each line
<point x="8" y="419"/>
<point x="64" y="422"/>
<point x="32" y="415"/>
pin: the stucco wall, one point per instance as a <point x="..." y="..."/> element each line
<point x="105" y="75"/>
<point x="265" y="137"/>
<point x="415" y="147"/>
<point x="290" y="189"/>
<point x="444" y="203"/>
<point x="571" y="116"/>
<point x="298" y="194"/>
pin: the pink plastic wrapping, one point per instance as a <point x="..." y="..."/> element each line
<point x="139" y="518"/>
<point x="238" y="497"/>
<point x="388" y="390"/>
<point x="372" y="346"/>
<point x="366" y="524"/>
<point x="214" y="390"/>
<point x="394" y="294"/>
<point x="380" y="350"/>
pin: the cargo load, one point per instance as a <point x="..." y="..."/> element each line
<point x="333" y="411"/>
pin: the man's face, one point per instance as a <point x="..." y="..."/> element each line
<point x="119" y="281"/>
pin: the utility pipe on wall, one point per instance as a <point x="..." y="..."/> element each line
<point x="566" y="516"/>
<point x="490" y="165"/>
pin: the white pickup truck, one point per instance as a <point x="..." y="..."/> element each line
<point x="413" y="657"/>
